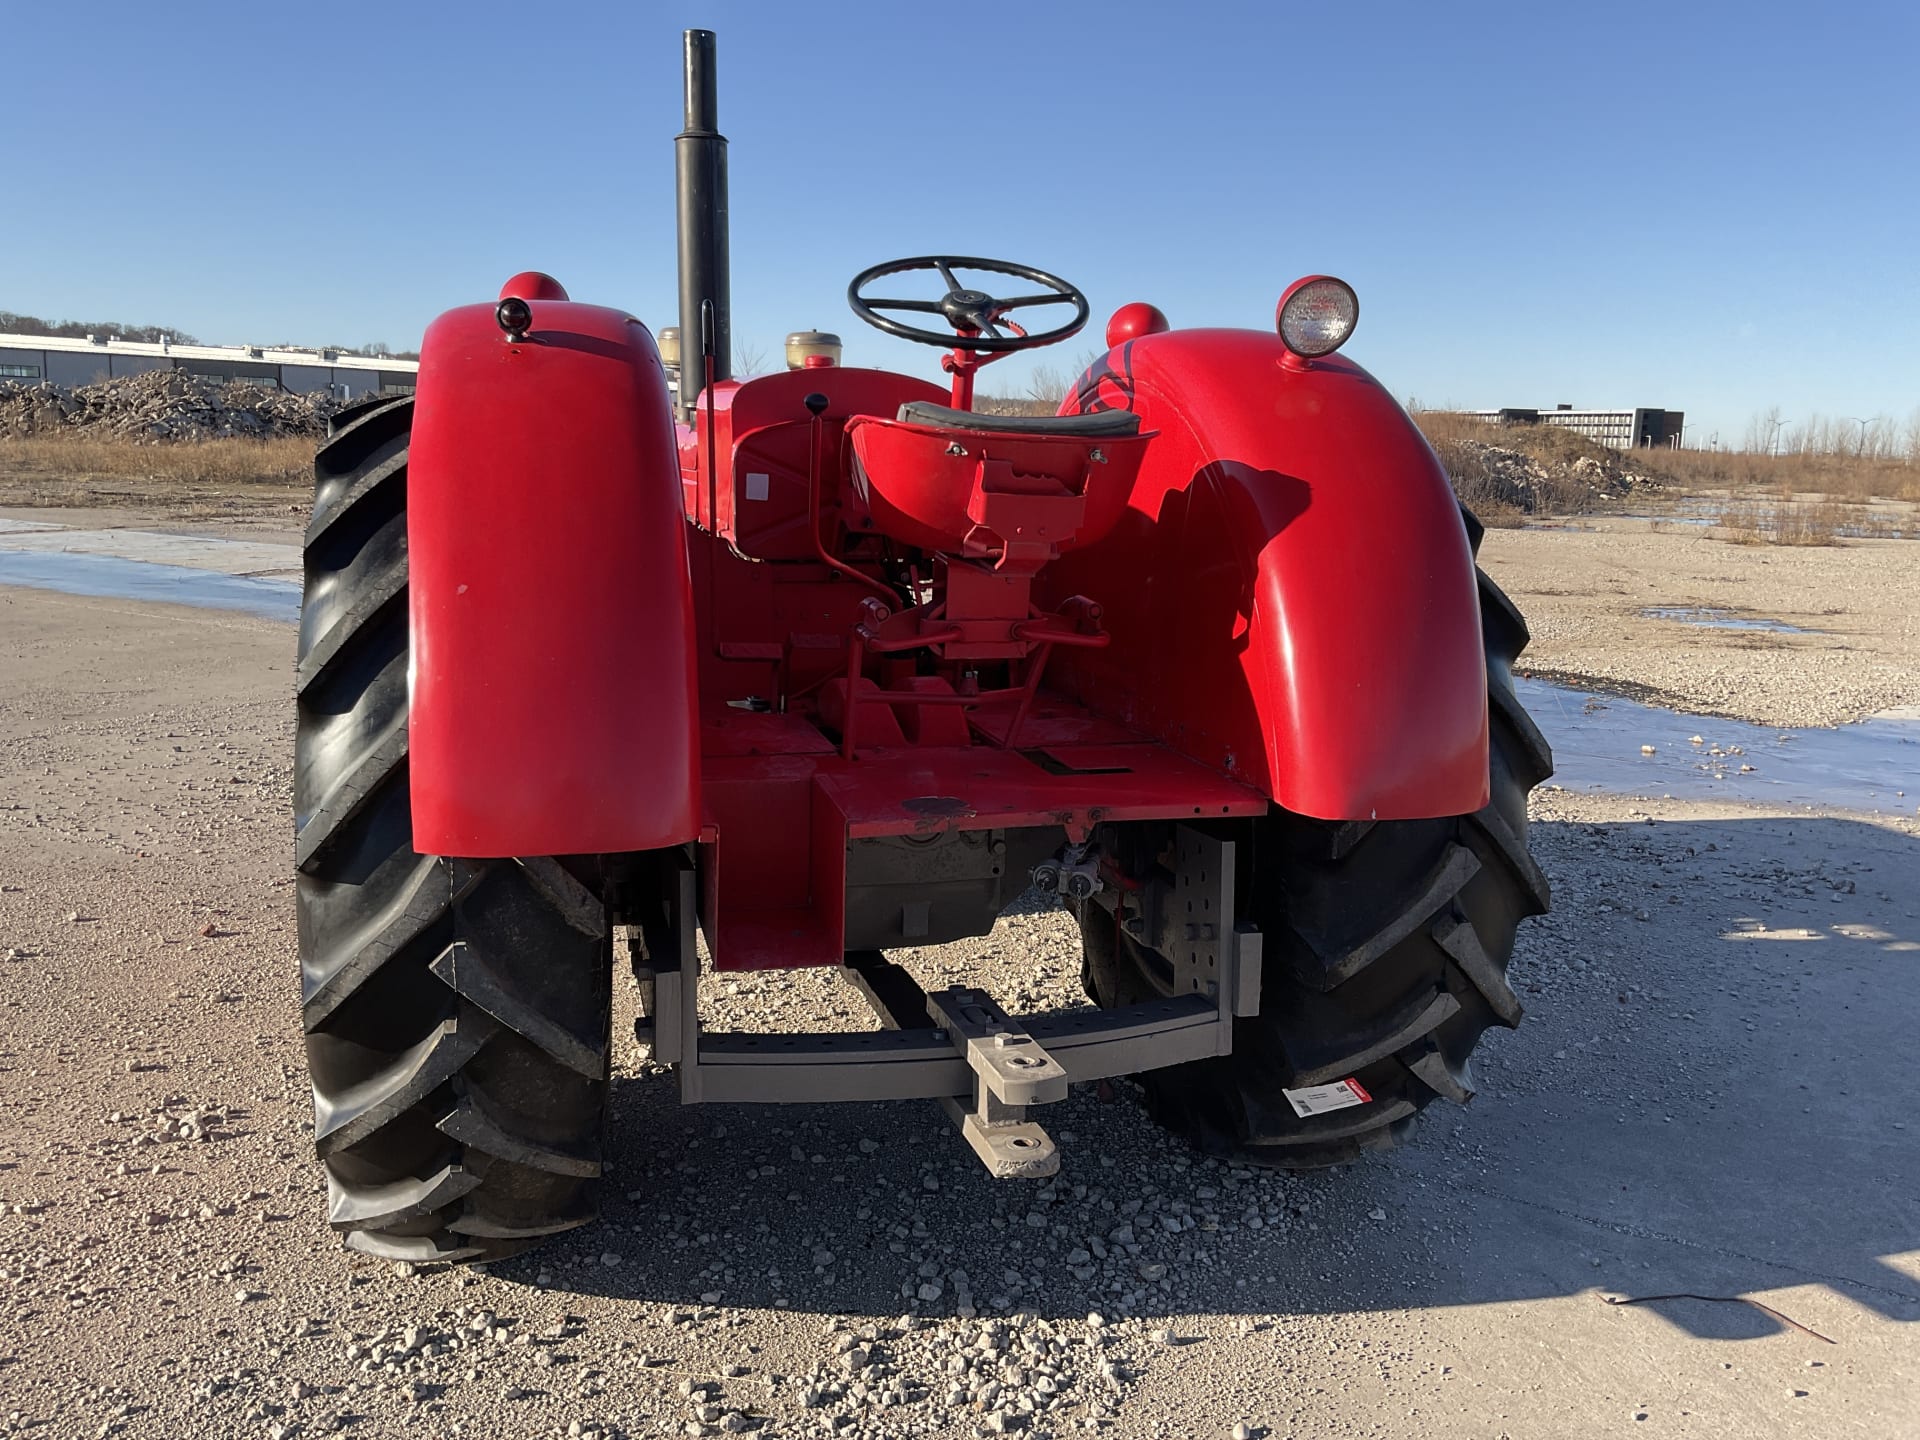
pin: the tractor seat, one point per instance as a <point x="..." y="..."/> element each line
<point x="1094" y="425"/>
<point x="937" y="478"/>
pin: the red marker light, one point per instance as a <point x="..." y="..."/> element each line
<point x="1132" y="321"/>
<point x="533" y="285"/>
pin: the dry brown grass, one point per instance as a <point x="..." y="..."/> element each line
<point x="1802" y="520"/>
<point x="224" y="479"/>
<point x="205" y="462"/>
<point x="1805" y="499"/>
<point x="1844" y="477"/>
<point x="1474" y="481"/>
<point x="1782" y="522"/>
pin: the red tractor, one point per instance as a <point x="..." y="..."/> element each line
<point x="826" y="663"/>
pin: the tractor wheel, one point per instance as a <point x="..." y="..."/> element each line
<point x="456" y="1011"/>
<point x="1385" y="957"/>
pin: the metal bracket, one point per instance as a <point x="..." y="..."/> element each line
<point x="1011" y="1072"/>
<point x="666" y="965"/>
<point x="1010" y="1146"/>
<point x="1213" y="955"/>
<point x="1010" y="1062"/>
<point x="1243" y="996"/>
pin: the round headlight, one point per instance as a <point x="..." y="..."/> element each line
<point x="1317" y="314"/>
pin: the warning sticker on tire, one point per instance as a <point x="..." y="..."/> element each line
<point x="1318" y="1099"/>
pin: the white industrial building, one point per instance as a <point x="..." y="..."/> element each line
<point x="58" y="360"/>
<point x="1622" y="429"/>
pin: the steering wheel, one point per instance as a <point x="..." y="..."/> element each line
<point x="975" y="316"/>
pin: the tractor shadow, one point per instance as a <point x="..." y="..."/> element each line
<point x="1706" y="1097"/>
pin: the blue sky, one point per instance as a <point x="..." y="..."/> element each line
<point x="1711" y="208"/>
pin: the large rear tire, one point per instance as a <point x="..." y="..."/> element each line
<point x="456" y="1012"/>
<point x="1385" y="960"/>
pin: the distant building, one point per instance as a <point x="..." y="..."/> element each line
<point x="1622" y="429"/>
<point x="30" y="359"/>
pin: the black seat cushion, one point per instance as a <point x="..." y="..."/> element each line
<point x="1095" y="425"/>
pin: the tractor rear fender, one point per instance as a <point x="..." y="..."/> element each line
<point x="1292" y="594"/>
<point x="552" y="675"/>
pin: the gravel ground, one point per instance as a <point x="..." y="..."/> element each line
<point x="1709" y="1095"/>
<point x="1584" y="589"/>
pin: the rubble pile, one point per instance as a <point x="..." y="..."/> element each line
<point x="1495" y="476"/>
<point x="162" y="406"/>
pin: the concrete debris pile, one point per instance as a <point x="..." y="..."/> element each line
<point x="1612" y="472"/>
<point x="161" y="406"/>
<point x="1495" y="477"/>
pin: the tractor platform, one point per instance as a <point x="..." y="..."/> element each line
<point x="769" y="779"/>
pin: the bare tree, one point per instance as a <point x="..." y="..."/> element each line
<point x="1761" y="431"/>
<point x="749" y="360"/>
<point x="1815" y="436"/>
<point x="1877" y="438"/>
<point x="14" y="324"/>
<point x="1048" y="385"/>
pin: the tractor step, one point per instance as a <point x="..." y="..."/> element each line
<point x="986" y="1068"/>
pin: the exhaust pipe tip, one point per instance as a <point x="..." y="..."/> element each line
<point x="701" y="49"/>
<point x="700" y="183"/>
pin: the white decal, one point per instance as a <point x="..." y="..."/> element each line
<point x="1318" y="1099"/>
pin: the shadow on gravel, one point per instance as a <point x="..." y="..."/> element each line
<point x="1707" y="1096"/>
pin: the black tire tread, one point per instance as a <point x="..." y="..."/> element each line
<point x="1318" y="1059"/>
<point x="389" y="928"/>
<point x="456" y="1011"/>
<point x="471" y="1123"/>
<point x="349" y="792"/>
<point x="1338" y="1125"/>
<point x="467" y="969"/>
<point x="1448" y="1079"/>
<point x="408" y="1199"/>
<point x="1501" y="622"/>
<point x="1456" y="935"/>
<point x="353" y="1113"/>
<point x="1531" y="747"/>
<point x="1386" y="958"/>
<point x="1476" y="530"/>
<point x="319" y="654"/>
<point x="1334" y="963"/>
<point x="1511" y="845"/>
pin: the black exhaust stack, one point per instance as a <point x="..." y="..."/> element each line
<point x="700" y="176"/>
